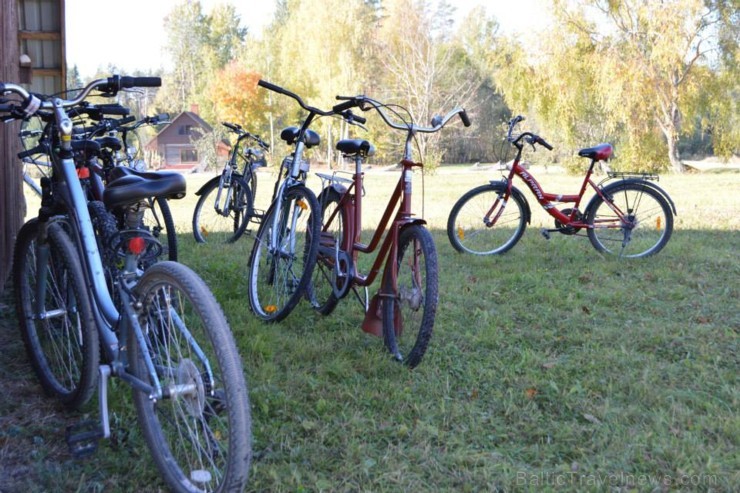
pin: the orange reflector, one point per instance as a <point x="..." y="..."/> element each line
<point x="203" y="231"/>
<point x="657" y="223"/>
<point x="270" y="308"/>
<point x="136" y="245"/>
<point x="302" y="204"/>
<point x="460" y="233"/>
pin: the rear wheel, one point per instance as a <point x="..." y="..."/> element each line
<point x="158" y="220"/>
<point x="222" y="212"/>
<point x="475" y="226"/>
<point x="284" y="254"/>
<point x="321" y="290"/>
<point x="199" y="433"/>
<point x="647" y="224"/>
<point x="58" y="330"/>
<point x="408" y="315"/>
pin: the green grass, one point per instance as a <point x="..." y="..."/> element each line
<point x="551" y="368"/>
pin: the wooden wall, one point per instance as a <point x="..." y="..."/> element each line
<point x="12" y="203"/>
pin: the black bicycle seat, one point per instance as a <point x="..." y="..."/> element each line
<point x="310" y="138"/>
<point x="354" y="147"/>
<point x="601" y="152"/>
<point x="127" y="186"/>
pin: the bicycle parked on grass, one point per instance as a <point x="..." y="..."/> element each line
<point x="80" y="292"/>
<point x="631" y="217"/>
<point x="226" y="203"/>
<point x="403" y="310"/>
<point x="285" y="247"/>
<point x="97" y="150"/>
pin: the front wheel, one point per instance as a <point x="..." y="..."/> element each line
<point x="284" y="254"/>
<point x="483" y="223"/>
<point x="199" y="433"/>
<point x="222" y="212"/>
<point x="411" y="304"/>
<point x="54" y="314"/>
<point x="634" y="221"/>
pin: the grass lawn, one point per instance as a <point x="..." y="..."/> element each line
<point x="551" y="368"/>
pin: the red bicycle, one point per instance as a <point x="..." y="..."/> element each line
<point x="631" y="217"/>
<point x="403" y="310"/>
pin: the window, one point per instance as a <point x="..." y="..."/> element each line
<point x="189" y="156"/>
<point x="185" y="129"/>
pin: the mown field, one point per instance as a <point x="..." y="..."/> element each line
<point x="551" y="368"/>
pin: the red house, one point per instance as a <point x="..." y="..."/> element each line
<point x="174" y="148"/>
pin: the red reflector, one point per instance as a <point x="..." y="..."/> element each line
<point x="83" y="172"/>
<point x="136" y="245"/>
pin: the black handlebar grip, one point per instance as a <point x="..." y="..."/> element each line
<point x="39" y="149"/>
<point x="464" y="118"/>
<point x="359" y="119"/>
<point x="113" y="109"/>
<point x="125" y="120"/>
<point x="270" y="86"/>
<point x="544" y="144"/>
<point x="230" y="126"/>
<point x="128" y="82"/>
<point x="351" y="103"/>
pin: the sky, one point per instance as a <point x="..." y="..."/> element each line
<point x="131" y="34"/>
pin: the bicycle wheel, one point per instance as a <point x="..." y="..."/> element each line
<point x="408" y="316"/>
<point x="199" y="433"/>
<point x="59" y="331"/>
<point x="469" y="228"/>
<point x="158" y="220"/>
<point x="648" y="225"/>
<point x="222" y="214"/>
<point x="284" y="254"/>
<point x="321" y="290"/>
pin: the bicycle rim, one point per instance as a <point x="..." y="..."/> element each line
<point x="284" y="255"/>
<point x="221" y="215"/>
<point x="200" y="437"/>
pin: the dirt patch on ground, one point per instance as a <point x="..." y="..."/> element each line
<point x="31" y="425"/>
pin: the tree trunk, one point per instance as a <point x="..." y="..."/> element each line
<point x="12" y="203"/>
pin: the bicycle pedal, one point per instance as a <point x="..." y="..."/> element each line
<point x="83" y="437"/>
<point x="545" y="233"/>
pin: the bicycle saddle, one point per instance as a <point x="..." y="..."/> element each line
<point x="88" y="146"/>
<point x="290" y="134"/>
<point x="353" y="147"/>
<point x="111" y="143"/>
<point x="127" y="186"/>
<point x="600" y="152"/>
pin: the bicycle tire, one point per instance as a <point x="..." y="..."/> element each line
<point x="209" y="223"/>
<point x="466" y="227"/>
<point x="415" y="298"/>
<point x="645" y="206"/>
<point x="159" y="223"/>
<point x="201" y="439"/>
<point x="321" y="291"/>
<point x="278" y="279"/>
<point x="62" y="346"/>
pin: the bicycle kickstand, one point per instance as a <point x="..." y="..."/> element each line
<point x="82" y="438"/>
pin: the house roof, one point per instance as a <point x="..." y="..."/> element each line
<point x="188" y="116"/>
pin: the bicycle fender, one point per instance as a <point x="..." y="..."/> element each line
<point x="501" y="186"/>
<point x="638" y="181"/>
<point x="206" y="184"/>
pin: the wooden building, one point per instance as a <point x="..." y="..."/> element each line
<point x="34" y="28"/>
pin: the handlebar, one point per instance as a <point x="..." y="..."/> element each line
<point x="32" y="103"/>
<point x="237" y="129"/>
<point x="528" y="136"/>
<point x="363" y="102"/>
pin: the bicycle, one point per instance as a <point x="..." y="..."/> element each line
<point x="87" y="312"/>
<point x="406" y="302"/>
<point x="631" y="217"/>
<point x="100" y="142"/>
<point x="286" y="244"/>
<point x="226" y="203"/>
